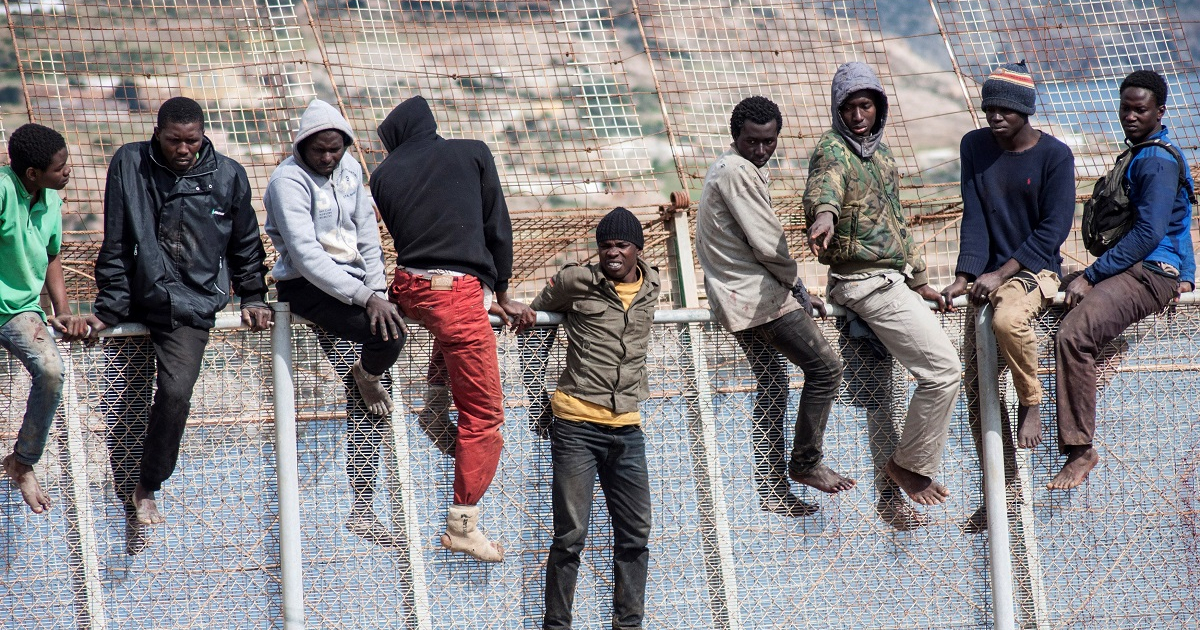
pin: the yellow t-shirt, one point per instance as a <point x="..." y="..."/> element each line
<point x="568" y="407"/>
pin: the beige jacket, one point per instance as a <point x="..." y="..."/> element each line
<point x="748" y="272"/>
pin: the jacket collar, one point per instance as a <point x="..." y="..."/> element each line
<point x="764" y="174"/>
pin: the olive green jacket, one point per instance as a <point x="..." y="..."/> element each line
<point x="606" y="344"/>
<point x="870" y="232"/>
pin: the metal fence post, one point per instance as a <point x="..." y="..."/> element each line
<point x="286" y="468"/>
<point x="714" y="515"/>
<point x="404" y="507"/>
<point x="80" y="516"/>
<point x="993" y="471"/>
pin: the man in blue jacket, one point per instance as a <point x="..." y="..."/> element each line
<point x="1139" y="276"/>
<point x="179" y="233"/>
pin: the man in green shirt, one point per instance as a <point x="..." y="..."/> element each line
<point x="30" y="236"/>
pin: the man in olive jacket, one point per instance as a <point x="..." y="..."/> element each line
<point x="597" y="428"/>
<point x="179" y="230"/>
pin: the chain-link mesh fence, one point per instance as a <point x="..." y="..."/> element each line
<point x="1119" y="552"/>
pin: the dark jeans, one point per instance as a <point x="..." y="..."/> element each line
<point x="794" y="336"/>
<point x="1107" y="310"/>
<point x="142" y="435"/>
<point x="580" y="452"/>
<point x="344" y="334"/>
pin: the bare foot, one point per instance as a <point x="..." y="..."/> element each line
<point x="1080" y="461"/>
<point x="145" y="508"/>
<point x="823" y="478"/>
<point x="1029" y="426"/>
<point x="374" y="394"/>
<point x="895" y="511"/>
<point x="921" y="489"/>
<point x="788" y="505"/>
<point x="23" y="478"/>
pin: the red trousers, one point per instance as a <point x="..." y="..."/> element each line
<point x="464" y="338"/>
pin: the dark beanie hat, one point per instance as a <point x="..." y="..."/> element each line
<point x="620" y="225"/>
<point x="1010" y="86"/>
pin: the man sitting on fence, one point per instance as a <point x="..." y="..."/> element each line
<point x="1025" y="179"/>
<point x="179" y="229"/>
<point x="442" y="203"/>
<point x="856" y="226"/>
<point x="1152" y="264"/>
<point x="597" y="428"/>
<point x="30" y="237"/>
<point x="330" y="269"/>
<point x="752" y="282"/>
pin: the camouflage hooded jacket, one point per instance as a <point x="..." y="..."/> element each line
<point x="858" y="183"/>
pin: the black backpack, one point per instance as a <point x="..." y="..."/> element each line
<point x="1108" y="215"/>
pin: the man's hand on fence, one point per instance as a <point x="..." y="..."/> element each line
<point x="985" y="285"/>
<point x="516" y="315"/>
<point x="1076" y="290"/>
<point x="955" y="289"/>
<point x="385" y="318"/>
<point x="94" y="327"/>
<point x="257" y="317"/>
<point x="1183" y="287"/>
<point x="929" y="293"/>
<point x="72" y="328"/>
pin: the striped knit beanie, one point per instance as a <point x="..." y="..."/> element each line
<point x="1010" y="86"/>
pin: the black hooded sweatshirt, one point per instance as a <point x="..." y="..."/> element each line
<point x="441" y="199"/>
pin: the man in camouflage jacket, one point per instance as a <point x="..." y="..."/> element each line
<point x="856" y="226"/>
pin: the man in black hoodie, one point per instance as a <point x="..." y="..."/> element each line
<point x="178" y="231"/>
<point x="442" y="203"/>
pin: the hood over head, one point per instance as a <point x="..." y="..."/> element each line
<point x="410" y="121"/>
<point x="850" y="78"/>
<point x="320" y="116"/>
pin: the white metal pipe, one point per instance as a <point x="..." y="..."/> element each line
<point x="999" y="545"/>
<point x="291" y="567"/>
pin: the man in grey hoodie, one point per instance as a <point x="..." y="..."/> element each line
<point x="330" y="268"/>
<point x="857" y="227"/>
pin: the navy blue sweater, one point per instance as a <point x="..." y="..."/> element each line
<point x="1016" y="205"/>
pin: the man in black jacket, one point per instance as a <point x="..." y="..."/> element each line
<point x="178" y="230"/>
<point x="442" y="203"/>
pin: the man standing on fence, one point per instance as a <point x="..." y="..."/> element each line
<point x="856" y="226"/>
<point x="1018" y="191"/>
<point x="1139" y="276"/>
<point x="330" y="269"/>
<point x="754" y="288"/>
<point x="30" y="237"/>
<point x="442" y="203"/>
<point x="597" y="428"/>
<point x="178" y="231"/>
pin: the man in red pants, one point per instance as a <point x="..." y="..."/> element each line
<point x="442" y="203"/>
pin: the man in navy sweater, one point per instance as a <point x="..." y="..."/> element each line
<point x="1140" y="275"/>
<point x="1018" y="191"/>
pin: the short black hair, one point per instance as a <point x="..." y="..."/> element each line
<point x="180" y="110"/>
<point x="759" y="110"/>
<point x="1149" y="80"/>
<point x="33" y="145"/>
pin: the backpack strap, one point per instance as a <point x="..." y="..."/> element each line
<point x="1170" y="148"/>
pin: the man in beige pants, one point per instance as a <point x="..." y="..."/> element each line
<point x="856" y="226"/>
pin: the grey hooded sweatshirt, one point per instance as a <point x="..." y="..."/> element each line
<point x="324" y="228"/>
<point x="850" y="78"/>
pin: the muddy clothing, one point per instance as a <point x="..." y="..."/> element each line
<point x="870" y="232"/>
<point x="168" y="239"/>
<point x="748" y="271"/>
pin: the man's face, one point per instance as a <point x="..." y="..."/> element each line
<point x="618" y="260"/>
<point x="1140" y="113"/>
<point x="858" y="112"/>
<point x="56" y="175"/>
<point x="756" y="141"/>
<point x="1004" y="122"/>
<point x="323" y="151"/>
<point x="180" y="144"/>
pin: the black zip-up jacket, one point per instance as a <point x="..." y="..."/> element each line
<point x="169" y="237"/>
<point x="441" y="199"/>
